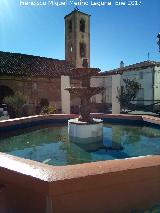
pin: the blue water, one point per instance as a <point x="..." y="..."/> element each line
<point x="51" y="145"/>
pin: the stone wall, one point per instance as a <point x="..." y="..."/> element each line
<point x="35" y="88"/>
<point x="108" y="186"/>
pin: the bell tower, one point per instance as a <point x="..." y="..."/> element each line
<point x="77" y="38"/>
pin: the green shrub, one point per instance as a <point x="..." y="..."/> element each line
<point x="48" y="110"/>
<point x="15" y="104"/>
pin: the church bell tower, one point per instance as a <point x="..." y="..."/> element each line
<point x="77" y="38"/>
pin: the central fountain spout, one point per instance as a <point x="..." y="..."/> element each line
<point x="85" y="128"/>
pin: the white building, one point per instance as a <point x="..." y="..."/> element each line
<point x="147" y="73"/>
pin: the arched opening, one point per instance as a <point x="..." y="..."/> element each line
<point x="4" y="92"/>
<point x="82" y="25"/>
<point x="70" y="48"/>
<point x="82" y="50"/>
<point x="70" y="26"/>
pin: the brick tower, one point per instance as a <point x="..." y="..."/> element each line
<point x="77" y="37"/>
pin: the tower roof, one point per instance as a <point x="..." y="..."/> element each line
<point x="76" y="11"/>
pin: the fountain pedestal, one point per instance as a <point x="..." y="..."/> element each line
<point x="81" y="131"/>
<point x="85" y="129"/>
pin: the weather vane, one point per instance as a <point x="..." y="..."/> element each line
<point x="76" y="8"/>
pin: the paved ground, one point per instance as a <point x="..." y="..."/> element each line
<point x="136" y="112"/>
<point x="142" y="113"/>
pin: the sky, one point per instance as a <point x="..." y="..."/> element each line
<point x="118" y="32"/>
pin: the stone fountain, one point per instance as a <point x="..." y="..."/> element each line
<point x="85" y="128"/>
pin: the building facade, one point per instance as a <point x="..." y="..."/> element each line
<point x="36" y="77"/>
<point x="146" y="73"/>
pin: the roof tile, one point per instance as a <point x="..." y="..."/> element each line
<point x="141" y="65"/>
<point x="27" y="65"/>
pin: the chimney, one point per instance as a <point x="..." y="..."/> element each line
<point x="121" y="64"/>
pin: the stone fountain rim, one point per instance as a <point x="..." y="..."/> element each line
<point x="93" y="122"/>
<point x="81" y="87"/>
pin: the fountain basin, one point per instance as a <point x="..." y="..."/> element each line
<point x="85" y="132"/>
<point x="68" y="188"/>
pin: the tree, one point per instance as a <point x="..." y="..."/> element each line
<point x="127" y="92"/>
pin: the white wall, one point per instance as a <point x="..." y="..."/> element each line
<point x="108" y="88"/>
<point x="106" y="82"/>
<point x="116" y="83"/>
<point x="65" y="96"/>
<point x="157" y="83"/>
<point x="145" y="79"/>
<point x="146" y="82"/>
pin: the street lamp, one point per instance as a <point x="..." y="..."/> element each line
<point x="158" y="42"/>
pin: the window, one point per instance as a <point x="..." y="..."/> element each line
<point x="82" y="50"/>
<point x="140" y="97"/>
<point x="70" y="48"/>
<point x="140" y="75"/>
<point x="70" y="26"/>
<point x="82" y="25"/>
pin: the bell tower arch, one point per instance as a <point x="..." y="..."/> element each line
<point x="77" y="37"/>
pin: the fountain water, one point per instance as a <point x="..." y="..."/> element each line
<point x="85" y="127"/>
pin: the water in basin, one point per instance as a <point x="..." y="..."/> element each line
<point x="51" y="145"/>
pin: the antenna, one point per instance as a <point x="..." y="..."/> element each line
<point x="148" y="56"/>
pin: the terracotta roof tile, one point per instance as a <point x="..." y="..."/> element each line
<point x="141" y="65"/>
<point x="27" y="65"/>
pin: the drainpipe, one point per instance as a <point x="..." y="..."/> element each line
<point x="153" y="83"/>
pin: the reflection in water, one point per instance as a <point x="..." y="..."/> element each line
<point x="51" y="145"/>
<point x="111" y="141"/>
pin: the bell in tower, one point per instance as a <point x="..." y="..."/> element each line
<point x="77" y="38"/>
